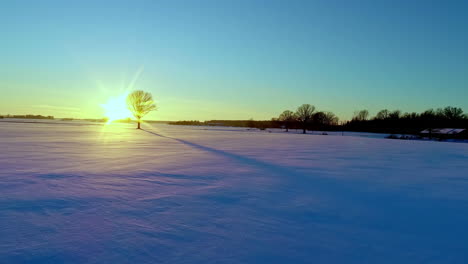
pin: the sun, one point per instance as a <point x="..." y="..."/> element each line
<point x="116" y="108"/>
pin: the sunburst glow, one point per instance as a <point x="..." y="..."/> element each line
<point x="116" y="108"/>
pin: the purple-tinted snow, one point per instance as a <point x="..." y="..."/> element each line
<point x="77" y="193"/>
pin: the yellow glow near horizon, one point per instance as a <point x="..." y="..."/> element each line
<point x="116" y="108"/>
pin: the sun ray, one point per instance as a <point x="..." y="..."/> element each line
<point x="135" y="78"/>
<point x="116" y="106"/>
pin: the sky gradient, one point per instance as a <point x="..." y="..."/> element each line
<point x="233" y="59"/>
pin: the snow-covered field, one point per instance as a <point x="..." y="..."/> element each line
<point x="78" y="193"/>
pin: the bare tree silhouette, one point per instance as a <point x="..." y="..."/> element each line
<point x="304" y="114"/>
<point x="453" y="113"/>
<point x="287" y="117"/>
<point x="140" y="103"/>
<point x="331" y="119"/>
<point x="382" y="114"/>
<point x="395" y="115"/>
<point x="361" y="115"/>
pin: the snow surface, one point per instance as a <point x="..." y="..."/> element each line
<point x="77" y="193"/>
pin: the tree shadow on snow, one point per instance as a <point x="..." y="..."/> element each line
<point x="271" y="168"/>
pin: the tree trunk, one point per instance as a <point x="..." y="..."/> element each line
<point x="138" y="125"/>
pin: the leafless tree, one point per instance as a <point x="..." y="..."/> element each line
<point x="304" y="114"/>
<point x="287" y="117"/>
<point x="394" y="115"/>
<point x="453" y="113"/>
<point x="361" y="115"/>
<point x="140" y="103"/>
<point x="321" y="119"/>
<point x="382" y="114"/>
<point x="331" y="119"/>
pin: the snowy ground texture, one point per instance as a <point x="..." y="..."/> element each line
<point x="77" y="193"/>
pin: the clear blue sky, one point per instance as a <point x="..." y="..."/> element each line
<point x="233" y="59"/>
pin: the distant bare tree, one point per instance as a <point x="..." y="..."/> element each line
<point x="324" y="119"/>
<point x="319" y="118"/>
<point x="287" y="117"/>
<point x="382" y="114"/>
<point x="361" y="115"/>
<point x="331" y="119"/>
<point x="412" y="116"/>
<point x="395" y="115"/>
<point x="140" y="103"/>
<point x="453" y="113"/>
<point x="304" y="114"/>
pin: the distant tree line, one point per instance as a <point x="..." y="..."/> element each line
<point x="260" y="124"/>
<point x="306" y="117"/>
<point x="386" y="121"/>
<point x="28" y="116"/>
